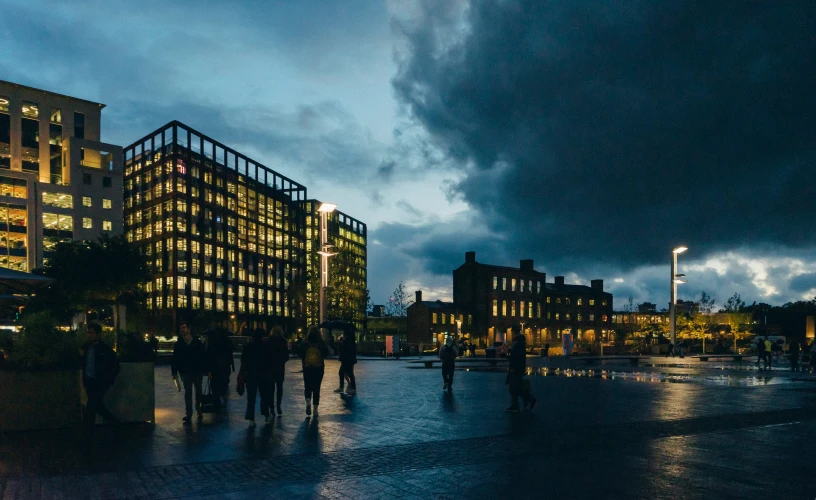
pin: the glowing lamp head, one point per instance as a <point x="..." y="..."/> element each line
<point x="327" y="207"/>
<point x="680" y="249"/>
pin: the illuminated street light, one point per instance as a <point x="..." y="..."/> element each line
<point x="675" y="280"/>
<point x="325" y="252"/>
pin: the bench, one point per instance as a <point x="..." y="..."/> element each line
<point x="706" y="357"/>
<point x="633" y="359"/>
<point x="490" y="361"/>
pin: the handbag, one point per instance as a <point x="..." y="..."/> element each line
<point x="210" y="403"/>
<point x="240" y="382"/>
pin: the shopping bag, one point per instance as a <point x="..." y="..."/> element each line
<point x="239" y="383"/>
<point x="209" y="401"/>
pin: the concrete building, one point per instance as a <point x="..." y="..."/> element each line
<point x="489" y="300"/>
<point x="58" y="182"/>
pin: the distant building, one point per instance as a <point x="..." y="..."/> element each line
<point x="58" y="182"/>
<point x="489" y="300"/>
<point x="686" y="307"/>
<point x="377" y="311"/>
<point x="647" y="307"/>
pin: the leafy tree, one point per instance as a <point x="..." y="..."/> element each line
<point x="735" y="312"/>
<point x="346" y="298"/>
<point x="698" y="323"/>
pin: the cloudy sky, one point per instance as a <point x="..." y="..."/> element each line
<point x="592" y="137"/>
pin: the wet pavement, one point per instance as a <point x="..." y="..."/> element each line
<point x="669" y="429"/>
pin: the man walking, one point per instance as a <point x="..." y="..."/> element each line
<point x="188" y="361"/>
<point x="793" y="351"/>
<point x="768" y="353"/>
<point x="348" y="358"/>
<point x="515" y="375"/>
<point x="760" y="347"/>
<point x="99" y="369"/>
<point x="448" y="355"/>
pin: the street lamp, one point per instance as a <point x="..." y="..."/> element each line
<point x="675" y="280"/>
<point x="325" y="252"/>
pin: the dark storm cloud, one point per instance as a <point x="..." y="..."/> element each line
<point x="608" y="132"/>
<point x="803" y="282"/>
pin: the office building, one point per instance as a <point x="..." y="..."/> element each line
<point x="58" y="182"/>
<point x="489" y="300"/>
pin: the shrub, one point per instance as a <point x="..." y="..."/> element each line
<point x="42" y="346"/>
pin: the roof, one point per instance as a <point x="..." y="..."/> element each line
<point x="438" y="304"/>
<point x="573" y="288"/>
<point x="507" y="268"/>
<point x="52" y="93"/>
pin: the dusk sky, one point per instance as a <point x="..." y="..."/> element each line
<point x="592" y="137"/>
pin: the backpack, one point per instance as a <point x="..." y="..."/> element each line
<point x="313" y="359"/>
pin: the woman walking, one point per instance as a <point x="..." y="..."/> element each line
<point x="278" y="355"/>
<point x="312" y="352"/>
<point x="253" y="365"/>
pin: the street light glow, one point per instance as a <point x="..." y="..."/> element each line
<point x="327" y="207"/>
<point x="680" y="249"/>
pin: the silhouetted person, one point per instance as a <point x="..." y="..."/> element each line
<point x="99" y="369"/>
<point x="255" y="365"/>
<point x="793" y="351"/>
<point x="670" y="352"/>
<point x="760" y="348"/>
<point x="278" y="356"/>
<point x="189" y="361"/>
<point x="516" y="373"/>
<point x="220" y="363"/>
<point x="448" y="354"/>
<point x="768" y="353"/>
<point x="312" y="352"/>
<point x="347" y="350"/>
<point x="152" y="346"/>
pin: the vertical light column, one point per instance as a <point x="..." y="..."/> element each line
<point x="675" y="279"/>
<point x="324" y="210"/>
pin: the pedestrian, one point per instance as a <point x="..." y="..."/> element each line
<point x="220" y="363"/>
<point x="793" y="351"/>
<point x="515" y="375"/>
<point x="760" y="348"/>
<point x="670" y="352"/>
<point x="255" y="368"/>
<point x="278" y="356"/>
<point x="545" y="351"/>
<point x="99" y="369"/>
<point x="448" y="355"/>
<point x="347" y="351"/>
<point x="313" y="352"/>
<point x="812" y="350"/>
<point x="189" y="362"/>
<point x="681" y="349"/>
<point x="152" y="346"/>
<point x="768" y="353"/>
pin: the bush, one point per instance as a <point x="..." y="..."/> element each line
<point x="42" y="346"/>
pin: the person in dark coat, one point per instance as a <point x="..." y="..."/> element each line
<point x="278" y="355"/>
<point x="347" y="350"/>
<point x="312" y="352"/>
<point x="152" y="344"/>
<point x="448" y="354"/>
<point x="254" y="364"/>
<point x="189" y="362"/>
<point x="99" y="369"/>
<point x="220" y="362"/>
<point x="793" y="351"/>
<point x="516" y="373"/>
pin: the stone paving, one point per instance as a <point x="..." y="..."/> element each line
<point x="598" y="432"/>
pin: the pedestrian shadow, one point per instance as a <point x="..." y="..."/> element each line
<point x="309" y="435"/>
<point x="449" y="403"/>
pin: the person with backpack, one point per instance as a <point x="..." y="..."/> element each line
<point x="347" y="350"/>
<point x="448" y="355"/>
<point x="313" y="352"/>
<point x="254" y="365"/>
<point x="99" y="369"/>
<point x="515" y="376"/>
<point x="278" y="355"/>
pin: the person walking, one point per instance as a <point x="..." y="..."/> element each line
<point x="255" y="367"/>
<point x="220" y="363"/>
<point x="768" y="353"/>
<point x="189" y="360"/>
<point x="278" y="355"/>
<point x="670" y="352"/>
<point x="99" y="369"/>
<point x="347" y="351"/>
<point x="760" y="348"/>
<point x="448" y="355"/>
<point x="515" y="375"/>
<point x="313" y="352"/>
<point x="793" y="351"/>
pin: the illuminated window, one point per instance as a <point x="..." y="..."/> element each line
<point x="521" y="308"/>
<point x="504" y="283"/>
<point x="567" y="299"/>
<point x="603" y="304"/>
<point x="495" y="282"/>
<point x="433" y="318"/>
<point x="603" y="318"/>
<point x="58" y="200"/>
<point x="106" y="204"/>
<point x="568" y="316"/>
<point x="521" y="284"/>
<point x="548" y="300"/>
<point x="579" y="316"/>
<point x="513" y="285"/>
<point x="495" y="307"/>
<point x="86" y="201"/>
<point x="538" y="287"/>
<point x="107" y="225"/>
<point x="592" y="302"/>
<point x="538" y="310"/>
<point x="580" y="301"/>
<point x="557" y="316"/>
<point x="558" y="300"/>
<point x="470" y="319"/>
<point x="444" y="318"/>
<point x="87" y="223"/>
<point x="592" y="317"/>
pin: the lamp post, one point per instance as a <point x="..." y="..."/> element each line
<point x="324" y="210"/>
<point x="675" y="279"/>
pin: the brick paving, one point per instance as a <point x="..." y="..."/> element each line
<point x="401" y="437"/>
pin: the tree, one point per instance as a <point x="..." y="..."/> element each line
<point x="735" y="312"/>
<point x="398" y="303"/>
<point x="699" y="322"/>
<point x="346" y="298"/>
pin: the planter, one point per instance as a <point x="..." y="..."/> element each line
<point x="39" y="400"/>
<point x="132" y="397"/>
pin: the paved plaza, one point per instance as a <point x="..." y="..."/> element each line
<point x="680" y="429"/>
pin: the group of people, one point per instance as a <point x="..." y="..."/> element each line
<point x="262" y="371"/>
<point x="766" y="350"/>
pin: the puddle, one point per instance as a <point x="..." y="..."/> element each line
<point x="660" y="377"/>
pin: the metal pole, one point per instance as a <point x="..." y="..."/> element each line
<point x="324" y="271"/>
<point x="672" y="306"/>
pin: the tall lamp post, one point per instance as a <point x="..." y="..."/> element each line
<point x="325" y="252"/>
<point x="675" y="279"/>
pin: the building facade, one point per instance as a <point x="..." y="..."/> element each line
<point x="348" y="279"/>
<point x="489" y="300"/>
<point x="58" y="182"/>
<point x="224" y="234"/>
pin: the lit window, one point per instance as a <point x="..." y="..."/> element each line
<point x="87" y="223"/>
<point x="521" y="308"/>
<point x="106" y="203"/>
<point x="433" y="318"/>
<point x="86" y="201"/>
<point x="580" y="301"/>
<point x="495" y="306"/>
<point x="592" y="317"/>
<point x="512" y="308"/>
<point x="59" y="200"/>
<point x="548" y="300"/>
<point x="107" y="225"/>
<point x="568" y="316"/>
<point x="495" y="282"/>
<point x="592" y="302"/>
<point x="557" y="316"/>
<point x="513" y="285"/>
<point x="504" y="283"/>
<point x="521" y="283"/>
<point x="538" y="287"/>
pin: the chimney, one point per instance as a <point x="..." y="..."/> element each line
<point x="597" y="285"/>
<point x="470" y="257"/>
<point x="419" y="297"/>
<point x="559" y="281"/>
<point x="526" y="265"/>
